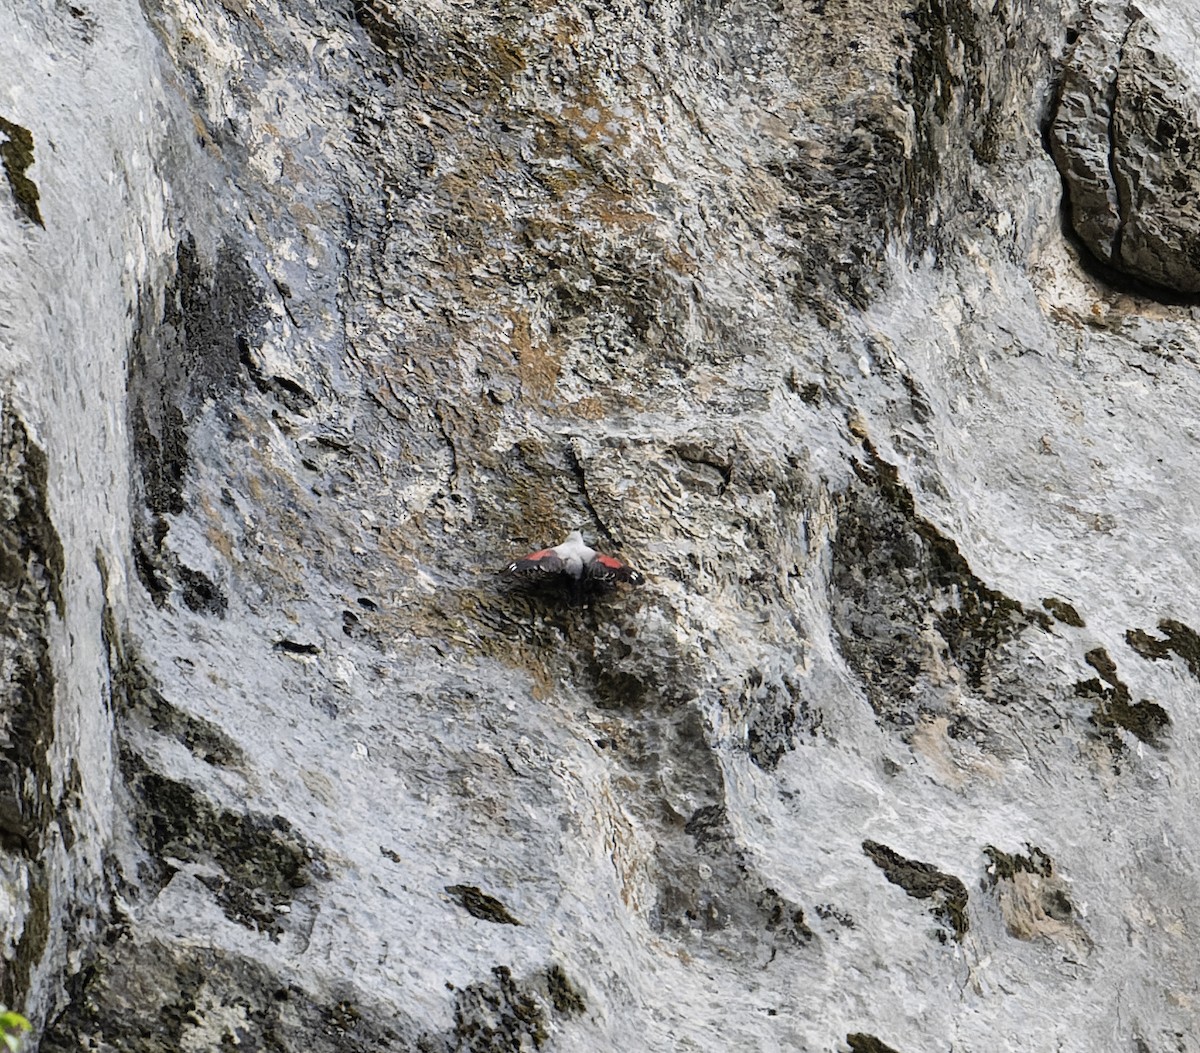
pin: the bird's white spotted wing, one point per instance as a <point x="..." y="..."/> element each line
<point x="545" y="561"/>
<point x="607" y="568"/>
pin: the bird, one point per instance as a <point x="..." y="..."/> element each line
<point x="575" y="563"/>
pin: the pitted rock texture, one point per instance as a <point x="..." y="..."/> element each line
<point x="1124" y="136"/>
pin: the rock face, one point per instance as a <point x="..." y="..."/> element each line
<point x="1124" y="136"/>
<point x="316" y="315"/>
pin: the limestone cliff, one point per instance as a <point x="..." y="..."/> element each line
<point x="863" y="330"/>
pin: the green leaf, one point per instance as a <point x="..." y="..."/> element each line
<point x="10" y="1021"/>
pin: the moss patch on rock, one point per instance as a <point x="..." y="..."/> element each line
<point x="1177" y="639"/>
<point x="564" y="995"/>
<point x="16" y="158"/>
<point x="196" y="350"/>
<point x="1064" y="612"/>
<point x="139" y="700"/>
<point x="30" y="548"/>
<point x="910" y="615"/>
<point x="924" y="881"/>
<point x="499" y="1015"/>
<point x="32" y="571"/>
<point x="506" y="1014"/>
<point x="776" y="713"/>
<point x="147" y="996"/>
<point x="784" y="919"/>
<point x="480" y="905"/>
<point x="863" y="1043"/>
<point x="262" y="861"/>
<point x="1113" y="707"/>
<point x="1004" y="867"/>
<point x="1034" y="901"/>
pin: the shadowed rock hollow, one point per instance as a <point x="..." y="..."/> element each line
<point x="313" y="316"/>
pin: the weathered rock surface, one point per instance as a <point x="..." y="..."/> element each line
<point x="315" y="315"/>
<point x="1124" y="136"/>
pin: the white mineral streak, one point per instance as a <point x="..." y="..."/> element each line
<point x="69" y="294"/>
<point x="336" y="309"/>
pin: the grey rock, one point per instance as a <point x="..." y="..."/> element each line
<point x="1123" y="137"/>
<point x="326" y="313"/>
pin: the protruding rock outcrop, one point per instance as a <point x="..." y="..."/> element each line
<point x="1126" y="138"/>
